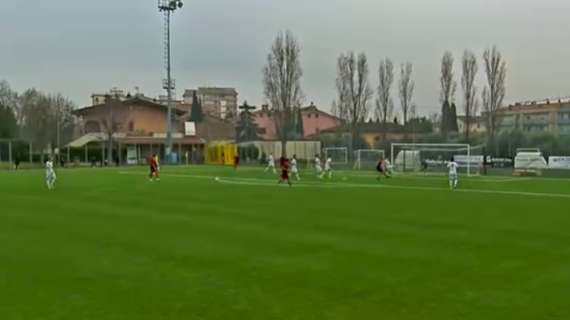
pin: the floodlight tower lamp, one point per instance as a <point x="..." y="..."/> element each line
<point x="167" y="7"/>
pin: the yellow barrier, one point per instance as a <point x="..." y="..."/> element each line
<point x="221" y="153"/>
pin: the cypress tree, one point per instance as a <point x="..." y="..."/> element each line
<point x="453" y="127"/>
<point x="300" y="129"/>
<point x="246" y="129"/>
<point x="444" y="126"/>
<point x="196" y="114"/>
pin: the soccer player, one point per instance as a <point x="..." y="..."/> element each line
<point x="328" y="169"/>
<point x="236" y="161"/>
<point x="153" y="168"/>
<point x="271" y="164"/>
<point x="381" y="168"/>
<point x="157" y="163"/>
<point x="294" y="168"/>
<point x="318" y="166"/>
<point x="284" y="171"/>
<point x="50" y="174"/>
<point x="388" y="167"/>
<point x="453" y="179"/>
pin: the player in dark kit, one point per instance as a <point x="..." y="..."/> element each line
<point x="284" y="171"/>
<point x="236" y="161"/>
<point x="153" y="168"/>
<point x="382" y="169"/>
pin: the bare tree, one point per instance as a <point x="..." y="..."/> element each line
<point x="282" y="83"/>
<point x="112" y="122"/>
<point x="448" y="83"/>
<point x="494" y="91"/>
<point x="406" y="90"/>
<point x="470" y="102"/>
<point x="335" y="110"/>
<point x="435" y="118"/>
<point x="384" y="102"/>
<point x="353" y="90"/>
<point x="62" y="121"/>
<point x="46" y="120"/>
<point x="10" y="99"/>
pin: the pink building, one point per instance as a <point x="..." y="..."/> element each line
<point x="314" y="121"/>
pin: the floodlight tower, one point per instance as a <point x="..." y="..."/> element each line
<point x="167" y="7"/>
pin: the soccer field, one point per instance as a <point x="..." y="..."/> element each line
<point x="109" y="244"/>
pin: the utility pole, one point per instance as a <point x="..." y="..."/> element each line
<point x="167" y="7"/>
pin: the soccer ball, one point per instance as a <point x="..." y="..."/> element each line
<point x="217" y="179"/>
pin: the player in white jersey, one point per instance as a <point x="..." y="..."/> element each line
<point x="271" y="164"/>
<point x="453" y="178"/>
<point x="318" y="166"/>
<point x="389" y="167"/>
<point x="328" y="169"/>
<point x="50" y="175"/>
<point x="294" y="168"/>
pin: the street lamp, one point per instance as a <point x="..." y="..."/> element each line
<point x="167" y="7"/>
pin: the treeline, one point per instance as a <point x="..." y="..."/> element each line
<point x="44" y="119"/>
<point x="359" y="98"/>
<point x="490" y="99"/>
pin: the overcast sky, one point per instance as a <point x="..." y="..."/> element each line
<point x="78" y="47"/>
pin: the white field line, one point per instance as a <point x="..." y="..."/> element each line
<point x="262" y="182"/>
<point x="351" y="173"/>
<point x="443" y="177"/>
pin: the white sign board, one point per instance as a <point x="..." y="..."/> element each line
<point x="132" y="155"/>
<point x="530" y="160"/>
<point x="471" y="161"/>
<point x="189" y="128"/>
<point x="559" y="162"/>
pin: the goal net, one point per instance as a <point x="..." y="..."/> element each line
<point x="338" y="155"/>
<point x="432" y="158"/>
<point x="367" y="159"/>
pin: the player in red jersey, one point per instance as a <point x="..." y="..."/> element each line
<point x="153" y="168"/>
<point x="284" y="171"/>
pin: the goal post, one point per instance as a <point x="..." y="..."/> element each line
<point x="366" y="159"/>
<point x="433" y="157"/>
<point x="337" y="154"/>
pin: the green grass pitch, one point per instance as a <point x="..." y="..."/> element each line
<point x="109" y="244"/>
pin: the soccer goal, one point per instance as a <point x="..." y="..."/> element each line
<point x="367" y="159"/>
<point x="432" y="158"/>
<point x="338" y="155"/>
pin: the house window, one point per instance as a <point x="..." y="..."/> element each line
<point x="316" y="115"/>
<point x="309" y="116"/>
<point x="131" y="126"/>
